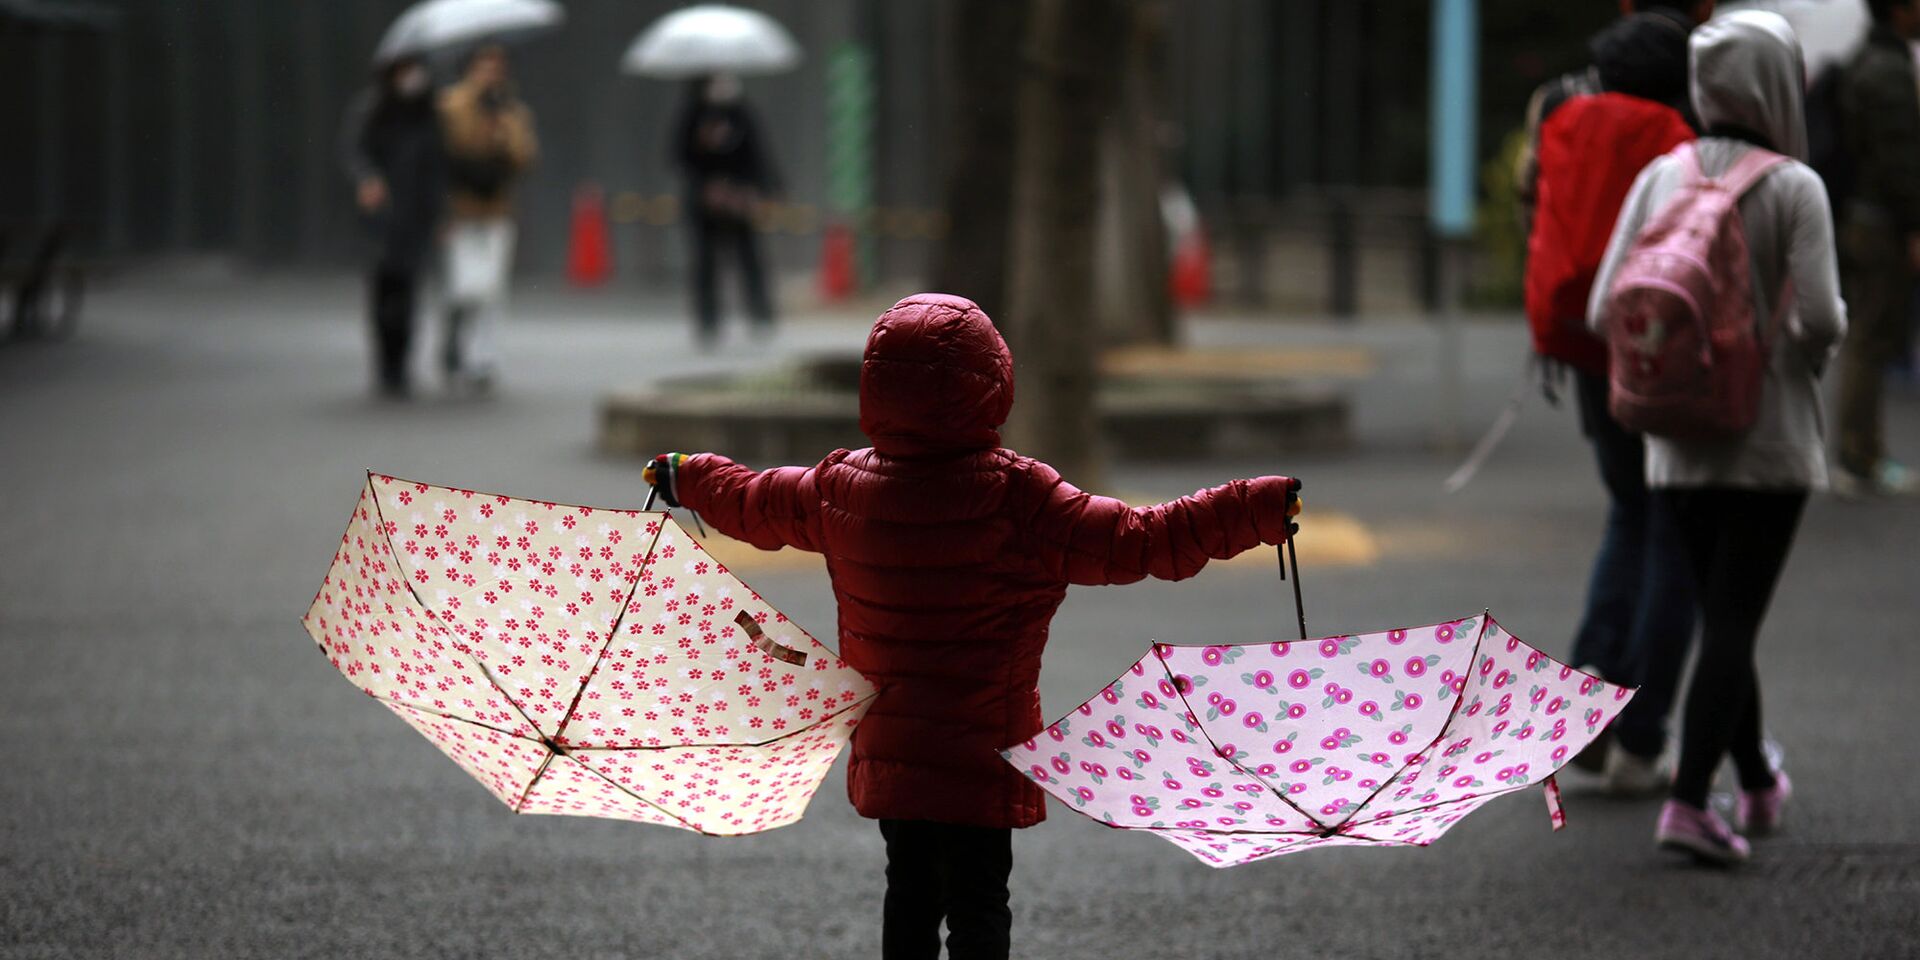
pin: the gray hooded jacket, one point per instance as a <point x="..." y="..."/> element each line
<point x="1748" y="77"/>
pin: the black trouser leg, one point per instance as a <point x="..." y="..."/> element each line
<point x="910" y="918"/>
<point x="1879" y="288"/>
<point x="746" y="246"/>
<point x="1662" y="635"/>
<point x="706" y="295"/>
<point x="451" y="338"/>
<point x="1613" y="589"/>
<point x="1747" y="751"/>
<point x="943" y="870"/>
<point x="979" y="919"/>
<point x="1737" y="541"/>
<point x="393" y="305"/>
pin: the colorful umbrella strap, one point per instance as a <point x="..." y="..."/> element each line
<point x="1555" y="812"/>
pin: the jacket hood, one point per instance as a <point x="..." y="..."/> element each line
<point x="937" y="379"/>
<point x="1645" y="56"/>
<point x="1748" y="73"/>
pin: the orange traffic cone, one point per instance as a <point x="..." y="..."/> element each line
<point x="1192" y="275"/>
<point x="836" y="263"/>
<point x="589" y="257"/>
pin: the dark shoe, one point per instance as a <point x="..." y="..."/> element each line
<point x="1593" y="757"/>
<point x="1888" y="478"/>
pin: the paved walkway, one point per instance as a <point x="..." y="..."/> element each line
<point x="186" y="778"/>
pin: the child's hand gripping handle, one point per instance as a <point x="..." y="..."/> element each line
<point x="662" y="473"/>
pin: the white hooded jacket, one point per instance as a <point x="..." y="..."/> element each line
<point x="1747" y="74"/>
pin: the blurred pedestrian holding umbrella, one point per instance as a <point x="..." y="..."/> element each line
<point x="1236" y="753"/>
<point x="583" y="662"/>
<point x="392" y="152"/>
<point x="712" y="38"/>
<point x="717" y="143"/>
<point x="440" y="26"/>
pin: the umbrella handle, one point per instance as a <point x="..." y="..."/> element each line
<point x="654" y="493"/>
<point x="1287" y="553"/>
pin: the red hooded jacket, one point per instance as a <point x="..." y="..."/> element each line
<point x="949" y="555"/>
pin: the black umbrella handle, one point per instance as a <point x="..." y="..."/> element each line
<point x="654" y="493"/>
<point x="1287" y="554"/>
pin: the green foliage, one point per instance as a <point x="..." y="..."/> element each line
<point x="1502" y="247"/>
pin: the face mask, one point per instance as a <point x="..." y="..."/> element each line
<point x="724" y="88"/>
<point x="411" y="82"/>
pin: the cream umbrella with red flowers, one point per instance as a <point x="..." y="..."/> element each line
<point x="583" y="661"/>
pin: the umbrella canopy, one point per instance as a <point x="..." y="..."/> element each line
<point x="1829" y="32"/>
<point x="434" y="26"/>
<point x="581" y="661"/>
<point x="1237" y="753"/>
<point x="711" y="38"/>
<point x="56" y="14"/>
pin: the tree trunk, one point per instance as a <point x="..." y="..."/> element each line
<point x="986" y="38"/>
<point x="1137" y="306"/>
<point x="1072" y="84"/>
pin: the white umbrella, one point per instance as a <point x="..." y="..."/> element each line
<point x="433" y="26"/>
<point x="712" y="38"/>
<point x="1829" y="31"/>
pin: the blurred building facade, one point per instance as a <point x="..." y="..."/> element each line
<point x="212" y="125"/>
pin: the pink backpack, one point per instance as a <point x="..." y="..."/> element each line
<point x="1687" y="358"/>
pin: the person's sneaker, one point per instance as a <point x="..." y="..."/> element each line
<point x="1630" y="775"/>
<point x="1757" y="812"/>
<point x="1702" y="833"/>
<point x="1888" y="478"/>
<point x="1593" y="757"/>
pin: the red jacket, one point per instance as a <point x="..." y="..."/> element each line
<point x="949" y="555"/>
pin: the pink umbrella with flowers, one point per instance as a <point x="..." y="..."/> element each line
<point x="1237" y="753"/>
<point x="583" y="661"/>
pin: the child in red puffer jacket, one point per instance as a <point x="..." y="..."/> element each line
<point x="949" y="555"/>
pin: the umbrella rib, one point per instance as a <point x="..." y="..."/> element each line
<point x="1182" y="694"/>
<point x="448" y="716"/>
<point x="528" y="792"/>
<point x="817" y="724"/>
<point x="1307" y="834"/>
<point x="613" y="630"/>
<point x="415" y="593"/>
<point x="623" y="789"/>
<point x="1473" y="658"/>
<point x="1437" y="805"/>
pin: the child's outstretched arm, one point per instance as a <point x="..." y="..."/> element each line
<point x="1093" y="540"/>
<point x="769" y="509"/>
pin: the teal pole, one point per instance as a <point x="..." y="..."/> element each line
<point x="1454" y="124"/>
<point x="1454" y="135"/>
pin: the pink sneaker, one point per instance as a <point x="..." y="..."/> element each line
<point x="1702" y="833"/>
<point x="1757" y="812"/>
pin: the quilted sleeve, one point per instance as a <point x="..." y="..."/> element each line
<point x="769" y="509"/>
<point x="1093" y="540"/>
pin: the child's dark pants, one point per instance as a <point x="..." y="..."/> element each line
<point x="939" y="871"/>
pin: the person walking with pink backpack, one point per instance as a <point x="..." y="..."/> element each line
<point x="1719" y="298"/>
